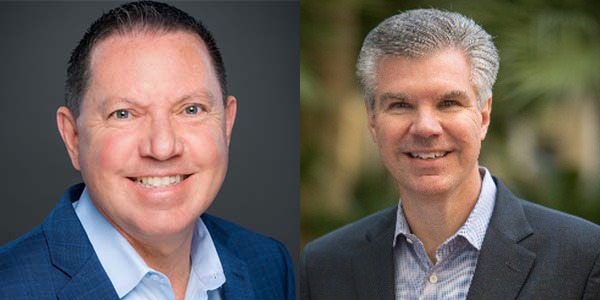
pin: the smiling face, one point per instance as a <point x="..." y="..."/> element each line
<point x="427" y="124"/>
<point x="152" y="137"/>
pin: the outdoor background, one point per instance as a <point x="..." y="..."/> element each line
<point x="544" y="140"/>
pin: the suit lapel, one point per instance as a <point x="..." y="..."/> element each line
<point x="237" y="279"/>
<point x="89" y="283"/>
<point x="72" y="253"/>
<point x="503" y="264"/>
<point x="373" y="266"/>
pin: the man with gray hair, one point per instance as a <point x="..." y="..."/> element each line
<point x="457" y="231"/>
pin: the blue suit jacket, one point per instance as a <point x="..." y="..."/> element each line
<point x="57" y="261"/>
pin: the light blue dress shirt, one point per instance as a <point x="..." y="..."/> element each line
<point x="131" y="277"/>
<point x="450" y="277"/>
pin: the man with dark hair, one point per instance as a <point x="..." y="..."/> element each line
<point x="147" y="122"/>
<point x="457" y="231"/>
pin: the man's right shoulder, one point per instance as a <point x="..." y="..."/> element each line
<point x="347" y="239"/>
<point x="328" y="267"/>
<point x="27" y="249"/>
<point x="22" y="263"/>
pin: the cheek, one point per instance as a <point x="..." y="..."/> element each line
<point x="468" y="135"/>
<point x="391" y="132"/>
<point x="111" y="151"/>
<point x="206" y="146"/>
<point x="467" y="128"/>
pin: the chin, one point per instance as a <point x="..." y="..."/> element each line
<point x="427" y="186"/>
<point x="164" y="223"/>
<point x="159" y="232"/>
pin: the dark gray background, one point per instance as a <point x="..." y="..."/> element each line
<point x="260" y="46"/>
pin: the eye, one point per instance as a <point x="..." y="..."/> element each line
<point x="449" y="103"/>
<point x="121" y="114"/>
<point x="399" y="105"/>
<point x="192" y="109"/>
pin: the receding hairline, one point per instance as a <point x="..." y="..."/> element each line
<point x="133" y="34"/>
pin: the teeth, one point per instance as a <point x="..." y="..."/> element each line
<point x="156" y="182"/>
<point x="429" y="155"/>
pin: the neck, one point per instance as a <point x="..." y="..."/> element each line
<point x="171" y="257"/>
<point x="434" y="219"/>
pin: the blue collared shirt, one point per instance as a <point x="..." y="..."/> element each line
<point x="131" y="277"/>
<point x="450" y="277"/>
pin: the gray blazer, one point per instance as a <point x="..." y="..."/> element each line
<point x="529" y="252"/>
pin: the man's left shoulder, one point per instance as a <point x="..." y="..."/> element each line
<point x="543" y="226"/>
<point x="247" y="244"/>
<point x="569" y="228"/>
<point x="267" y="261"/>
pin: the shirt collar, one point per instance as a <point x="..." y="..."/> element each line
<point x="473" y="230"/>
<point x="206" y="265"/>
<point x="114" y="252"/>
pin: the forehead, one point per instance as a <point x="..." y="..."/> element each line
<point x="142" y="63"/>
<point x="136" y="42"/>
<point x="430" y="75"/>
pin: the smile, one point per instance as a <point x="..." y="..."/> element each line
<point x="158" y="182"/>
<point x="427" y="155"/>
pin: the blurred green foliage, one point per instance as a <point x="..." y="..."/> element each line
<point x="545" y="134"/>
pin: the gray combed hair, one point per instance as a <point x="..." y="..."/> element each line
<point x="419" y="32"/>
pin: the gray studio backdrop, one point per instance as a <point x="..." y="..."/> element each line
<point x="260" y="47"/>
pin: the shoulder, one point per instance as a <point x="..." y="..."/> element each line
<point x="556" y="225"/>
<point x="253" y="248"/>
<point x="354" y="234"/>
<point x="562" y="242"/>
<point x="328" y="263"/>
<point x="555" y="240"/>
<point x="546" y="225"/>
<point x="346" y="241"/>
<point x="239" y="237"/>
<point x="24" y="264"/>
<point x="29" y="249"/>
<point x="266" y="259"/>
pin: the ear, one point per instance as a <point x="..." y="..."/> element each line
<point x="371" y="121"/>
<point x="67" y="126"/>
<point x="230" y="113"/>
<point x="486" y="112"/>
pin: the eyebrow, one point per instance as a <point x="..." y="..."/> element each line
<point x="453" y="95"/>
<point x="386" y="97"/>
<point x="197" y="94"/>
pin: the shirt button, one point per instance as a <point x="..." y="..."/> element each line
<point x="409" y="241"/>
<point x="155" y="277"/>
<point x="433" y="278"/>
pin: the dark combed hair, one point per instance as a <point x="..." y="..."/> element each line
<point x="142" y="16"/>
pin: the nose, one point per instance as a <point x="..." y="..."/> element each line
<point x="426" y="124"/>
<point x="162" y="140"/>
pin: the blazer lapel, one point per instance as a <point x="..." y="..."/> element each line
<point x="503" y="264"/>
<point x="89" y="283"/>
<point x="237" y="278"/>
<point x="373" y="266"/>
<point x="72" y="253"/>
